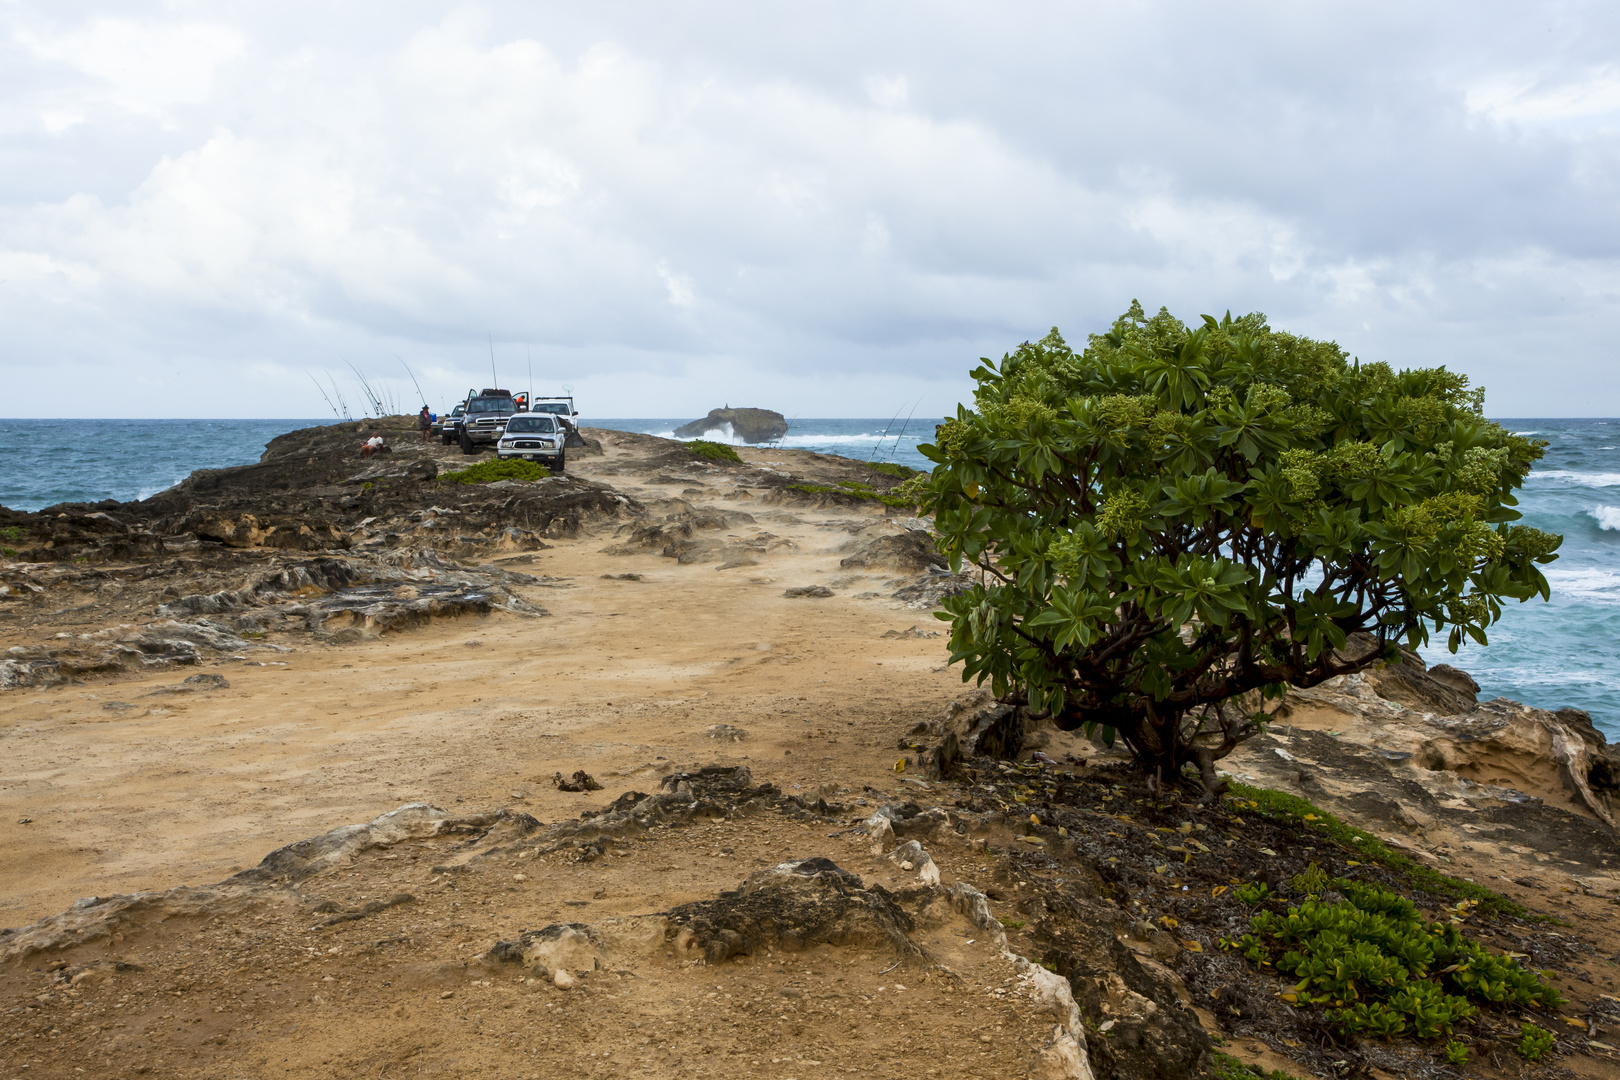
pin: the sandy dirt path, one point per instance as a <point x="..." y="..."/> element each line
<point x="621" y="679"/>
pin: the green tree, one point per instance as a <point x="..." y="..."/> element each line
<point x="1179" y="522"/>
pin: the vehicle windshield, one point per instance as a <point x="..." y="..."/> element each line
<point x="531" y="422"/>
<point x="458" y="410"/>
<point x="558" y="407"/>
<point x="494" y="405"/>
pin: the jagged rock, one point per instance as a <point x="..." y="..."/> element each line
<point x="96" y="918"/>
<point x="934" y="586"/>
<point x="909" y="552"/>
<point x="160" y="644"/>
<point x="558" y="950"/>
<point x="1444" y="690"/>
<point x="580" y="781"/>
<point x="193" y="684"/>
<point x="913" y="858"/>
<point x="395" y="471"/>
<point x="749" y="425"/>
<point x="792" y="906"/>
<point x="1497" y="750"/>
<point x="808" y="592"/>
<point x="713" y="791"/>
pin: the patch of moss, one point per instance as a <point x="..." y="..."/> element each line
<point x="904" y="472"/>
<point x="489" y="471"/>
<point x="713" y="451"/>
<point x="11" y="532"/>
<point x="1228" y="1067"/>
<point x="856" y="490"/>
<point x="10" y="553"/>
<point x="1280" y="806"/>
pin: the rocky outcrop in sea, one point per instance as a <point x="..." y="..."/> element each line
<point x="749" y="425"/>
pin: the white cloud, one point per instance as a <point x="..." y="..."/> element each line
<point x="663" y="204"/>
<point x="1550" y="98"/>
<point x="140" y="66"/>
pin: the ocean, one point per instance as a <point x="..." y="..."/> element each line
<point x="1555" y="654"/>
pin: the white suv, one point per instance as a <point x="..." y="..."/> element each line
<point x="533" y="437"/>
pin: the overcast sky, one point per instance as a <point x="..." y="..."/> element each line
<point x="827" y="209"/>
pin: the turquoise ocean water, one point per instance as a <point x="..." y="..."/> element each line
<point x="1566" y="652"/>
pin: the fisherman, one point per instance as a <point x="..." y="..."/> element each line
<point x="373" y="445"/>
<point x="424" y="423"/>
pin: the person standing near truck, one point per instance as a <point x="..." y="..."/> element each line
<point x="424" y="422"/>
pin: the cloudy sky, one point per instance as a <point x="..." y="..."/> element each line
<point x="828" y="209"/>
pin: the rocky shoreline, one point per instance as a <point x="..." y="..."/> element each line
<point x="806" y="850"/>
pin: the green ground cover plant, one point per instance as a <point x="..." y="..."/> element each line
<point x="1178" y="520"/>
<point x="1283" y="807"/>
<point x="713" y="451"/>
<point x="894" y="468"/>
<point x="1228" y="1067"/>
<point x="1365" y="954"/>
<point x="1534" y="1043"/>
<point x="11" y="532"/>
<point x="855" y="488"/>
<point x="488" y="471"/>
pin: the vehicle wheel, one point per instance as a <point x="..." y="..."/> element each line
<point x="562" y="461"/>
<point x="448" y="439"/>
<point x="467" y="446"/>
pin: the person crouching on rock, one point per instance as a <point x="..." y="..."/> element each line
<point x="373" y="445"/>
<point x="424" y="423"/>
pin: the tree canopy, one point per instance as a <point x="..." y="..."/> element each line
<point x="1180" y="517"/>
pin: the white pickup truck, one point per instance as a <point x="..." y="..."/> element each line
<point x="534" y="436"/>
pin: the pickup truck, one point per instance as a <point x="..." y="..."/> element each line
<point x="485" y="418"/>
<point x="563" y="409"/>
<point x="445" y="426"/>
<point x="534" y="436"/>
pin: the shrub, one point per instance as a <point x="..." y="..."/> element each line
<point x="1534" y="1042"/>
<point x="487" y="471"/>
<point x="713" y="451"/>
<point x="11" y="532"/>
<point x="1455" y="1053"/>
<point x="894" y="468"/>
<point x="1379" y="969"/>
<point x="1175" y="517"/>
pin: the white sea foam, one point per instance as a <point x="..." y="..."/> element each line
<point x="1607" y="517"/>
<point x="873" y="438"/>
<point x="1590" y="584"/>
<point x="1576" y="477"/>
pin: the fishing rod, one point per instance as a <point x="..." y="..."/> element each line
<point x="529" y="352"/>
<point x="414" y="383"/>
<point x="339" y="395"/>
<point x="496" y="379"/>
<point x="371" y="396"/>
<point x="896" y="448"/>
<point x="323" y="394"/>
<point x="885" y="435"/>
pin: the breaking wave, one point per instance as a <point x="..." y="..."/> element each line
<point x="1589" y="584"/>
<point x="1575" y="476"/>
<point x="1607" y="517"/>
